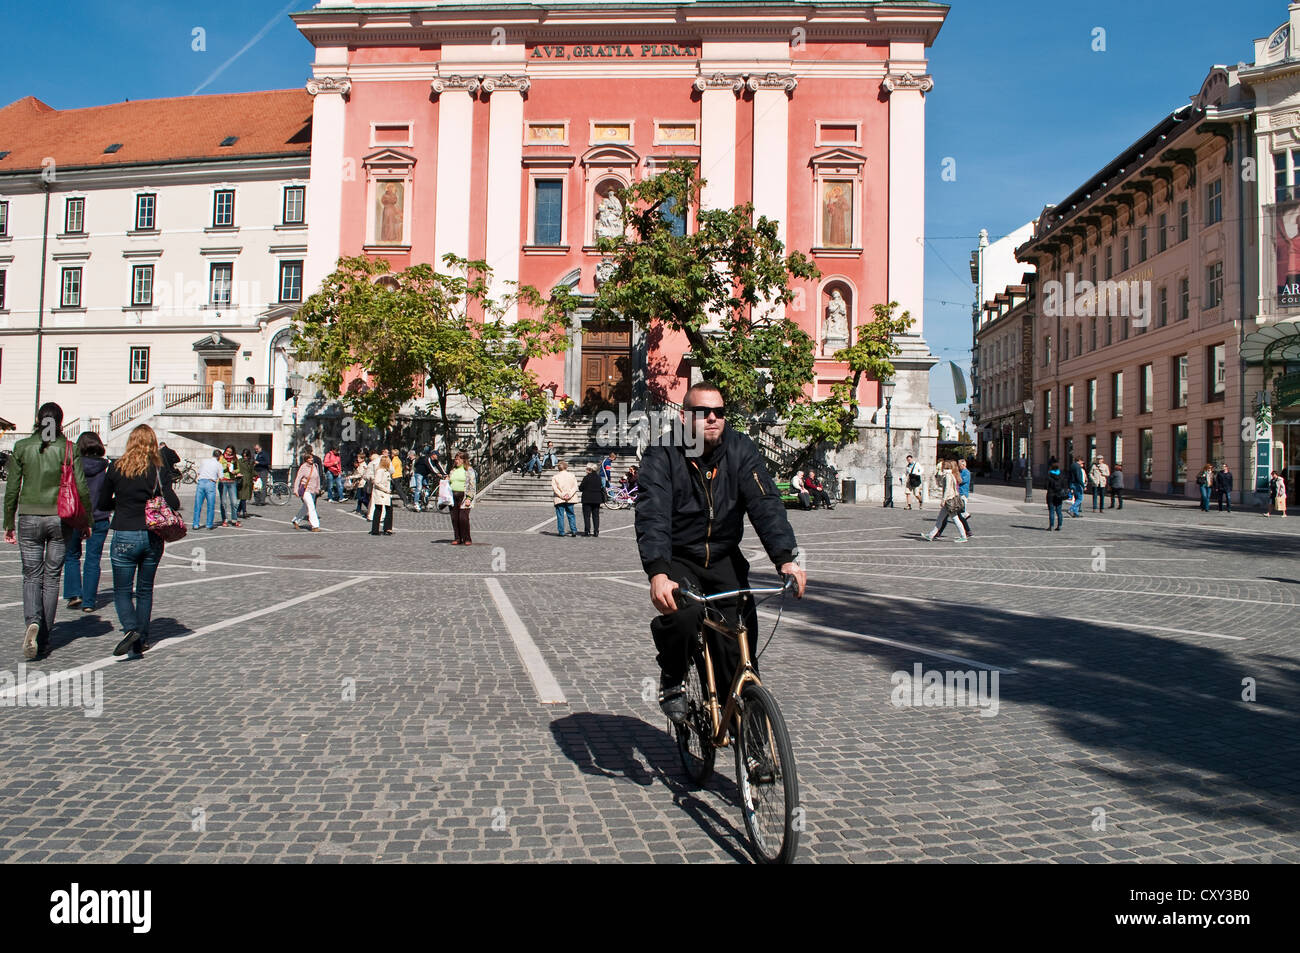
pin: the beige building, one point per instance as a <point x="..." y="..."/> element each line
<point x="1004" y="341"/>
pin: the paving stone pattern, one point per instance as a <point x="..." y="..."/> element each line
<point x="393" y="720"/>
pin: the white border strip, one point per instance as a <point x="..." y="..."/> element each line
<point x="547" y="688"/>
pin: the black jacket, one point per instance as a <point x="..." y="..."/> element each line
<point x="1223" y="481"/>
<point x="1058" y="487"/>
<point x="1077" y="475"/>
<point x="695" y="507"/>
<point x="593" y="494"/>
<point x="127" y="496"/>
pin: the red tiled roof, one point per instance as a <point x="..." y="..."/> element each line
<point x="274" y="122"/>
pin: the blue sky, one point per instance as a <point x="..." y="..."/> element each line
<point x="1021" y="102"/>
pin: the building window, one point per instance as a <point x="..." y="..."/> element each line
<point x="223" y="208"/>
<point x="1213" y="285"/>
<point x="71" y="288"/>
<point x="1065" y="345"/>
<point x="1214" y="440"/>
<point x="1092" y="335"/>
<point x="144" y="212"/>
<point x="67" y="365"/>
<point x="1184" y="221"/>
<point x="1214" y="202"/>
<point x="1092" y="268"/>
<point x="1123" y="328"/>
<point x="220" y="283"/>
<point x="142" y="285"/>
<point x="1107" y="260"/>
<point x="74" y="218"/>
<point x="1179" y="375"/>
<point x="1092" y="400"/>
<point x="1184" y="298"/>
<point x="1117" y="394"/>
<point x="1092" y="448"/>
<point x="1142" y="243"/>
<point x="1180" y="453"/>
<point x="290" y="281"/>
<point x="139" y="365"/>
<point x="295" y="204"/>
<point x="1047" y="350"/>
<point x="1148" y="456"/>
<point x="1069" y="404"/>
<point x="548" y="211"/>
<point x="1116" y="449"/>
<point x="4" y="219"/>
<point x="675" y="218"/>
<point x="2" y="290"/>
<point x="1078" y="339"/>
<point x="1216" y="372"/>
<point x="1108" y="330"/>
<point x="1047" y="410"/>
<point x="1146" y="388"/>
<point x="1162" y="232"/>
<point x="1123" y="254"/>
<point x="1163" y="310"/>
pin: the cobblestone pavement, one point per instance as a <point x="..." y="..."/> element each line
<point x="334" y="697"/>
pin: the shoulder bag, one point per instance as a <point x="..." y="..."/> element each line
<point x="163" y="521"/>
<point x="69" y="499"/>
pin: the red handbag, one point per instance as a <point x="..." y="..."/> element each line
<point x="69" y="499"/>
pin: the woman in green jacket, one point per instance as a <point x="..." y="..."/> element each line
<point x="246" y="476"/>
<point x="35" y="469"/>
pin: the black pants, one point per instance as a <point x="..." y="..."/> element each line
<point x="266" y="486"/>
<point x="590" y="518"/>
<point x="673" y="632"/>
<point x="1225" y="496"/>
<point x="388" y="518"/>
<point x="459" y="518"/>
<point x="1116" y="495"/>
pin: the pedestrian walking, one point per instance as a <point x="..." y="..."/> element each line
<point x="247" y="474"/>
<point x="964" y="488"/>
<point x="1205" y="483"/>
<point x="461" y="481"/>
<point x="1098" y="478"/>
<point x="593" y="495"/>
<point x="33" y="524"/>
<point x="607" y="469"/>
<point x="171" y="463"/>
<point x="381" y="496"/>
<point x="130" y="483"/>
<point x="1276" y="494"/>
<point x="1223" y="487"/>
<point x="564" y="487"/>
<point x="913" y="479"/>
<point x="950" y="502"/>
<point x="1117" y="486"/>
<point x="81" y="574"/>
<point x="420" y="477"/>
<point x="262" y="467"/>
<point x="1058" y="490"/>
<point x="1077" y="480"/>
<point x="333" y="466"/>
<point x="205" y="491"/>
<point x="228" y="487"/>
<point x="358" y="481"/>
<point x="306" y="485"/>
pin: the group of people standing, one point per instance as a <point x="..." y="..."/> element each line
<point x="227" y="478"/>
<point x="70" y="546"/>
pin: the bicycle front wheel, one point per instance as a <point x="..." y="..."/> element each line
<point x="279" y="493"/>
<point x="188" y="478"/>
<point x="695" y="734"/>
<point x="765" y="774"/>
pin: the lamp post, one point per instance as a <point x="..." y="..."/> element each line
<point x="293" y="390"/>
<point x="887" y="392"/>
<point x="965" y="418"/>
<point x="1029" y="451"/>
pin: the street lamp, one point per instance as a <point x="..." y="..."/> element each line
<point x="1029" y="451"/>
<point x="293" y="390"/>
<point x="887" y="392"/>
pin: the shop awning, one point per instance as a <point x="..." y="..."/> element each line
<point x="1277" y="343"/>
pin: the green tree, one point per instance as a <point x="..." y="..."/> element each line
<point x="420" y="327"/>
<point x="731" y="267"/>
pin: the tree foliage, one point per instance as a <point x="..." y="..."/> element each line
<point x="405" y="331"/>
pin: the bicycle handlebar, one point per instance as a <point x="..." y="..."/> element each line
<point x="695" y="597"/>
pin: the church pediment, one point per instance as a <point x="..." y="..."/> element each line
<point x="388" y="159"/>
<point x="837" y="157"/>
<point x="216" y="343"/>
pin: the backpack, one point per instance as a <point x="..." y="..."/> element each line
<point x="1201" y="479"/>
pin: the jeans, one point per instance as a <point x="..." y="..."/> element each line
<point x="1054" y="512"/>
<point x="1225" y="497"/>
<point x="229" y="500"/>
<point x="565" y="509"/>
<point x="205" y="493"/>
<point x="1098" y="497"/>
<point x="40" y="545"/>
<point x="590" y="518"/>
<point x="135" y="555"/>
<point x="417" y="487"/>
<point x="549" y="460"/>
<point x="81" y="576"/>
<point x="1077" y="490"/>
<point x="333" y="486"/>
<point x="534" y="466"/>
<point x="1205" y="498"/>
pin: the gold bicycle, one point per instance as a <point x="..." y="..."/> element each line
<point x="765" y="769"/>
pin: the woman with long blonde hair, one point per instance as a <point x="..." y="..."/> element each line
<point x="950" y="502"/>
<point x="130" y="483"/>
<point x="381" y="495"/>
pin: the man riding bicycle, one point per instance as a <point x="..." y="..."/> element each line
<point x="690" y="512"/>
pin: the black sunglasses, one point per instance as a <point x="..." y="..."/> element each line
<point x="702" y="413"/>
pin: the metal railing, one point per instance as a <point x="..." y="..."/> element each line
<point x="187" y="397"/>
<point x="246" y="397"/>
<point x="123" y="414"/>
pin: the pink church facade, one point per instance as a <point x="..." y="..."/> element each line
<point x="499" y="132"/>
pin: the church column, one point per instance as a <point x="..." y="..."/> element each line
<point x="907" y="191"/>
<point x="771" y="151"/>
<point x="718" y="137"/>
<point x="455" y="160"/>
<point x="505" y="159"/>
<point x="325" y="192"/>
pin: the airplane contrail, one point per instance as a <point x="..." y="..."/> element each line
<point x="246" y="47"/>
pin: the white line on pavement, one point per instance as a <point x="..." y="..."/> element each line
<point x="166" y="585"/>
<point x="547" y="688"/>
<point x="171" y="643"/>
<point x="812" y="624"/>
<point x="384" y="573"/>
<point x="545" y="522"/>
<point x="877" y="554"/>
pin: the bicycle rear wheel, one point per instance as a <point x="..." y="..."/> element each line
<point x="765" y="774"/>
<point x="695" y="735"/>
<point x="279" y="493"/>
<point x="188" y="477"/>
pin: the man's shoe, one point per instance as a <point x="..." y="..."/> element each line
<point x="140" y="646"/>
<point x="74" y="602"/>
<point x="30" y="648"/>
<point x="128" y="640"/>
<point x="673" y="703"/>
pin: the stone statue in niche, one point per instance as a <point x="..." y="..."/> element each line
<point x="609" y="217"/>
<point x="835" y="332"/>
